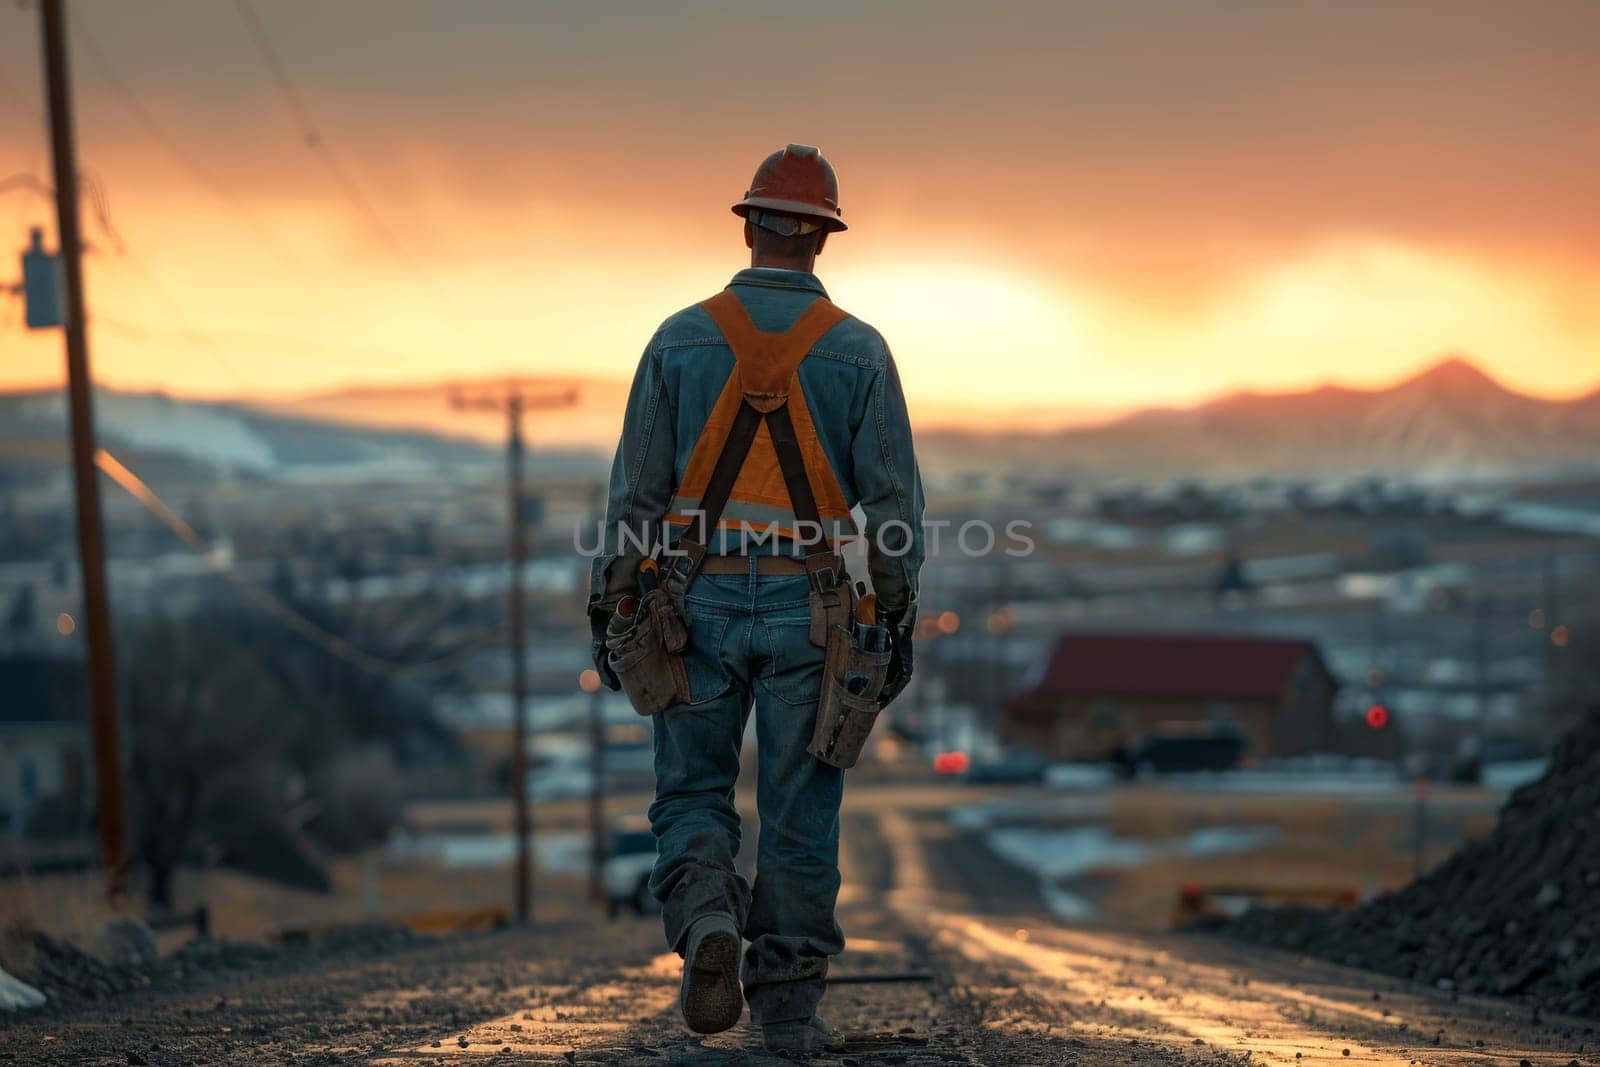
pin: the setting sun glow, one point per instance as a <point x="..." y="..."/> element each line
<point x="1042" y="241"/>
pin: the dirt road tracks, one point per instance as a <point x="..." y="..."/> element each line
<point x="950" y="961"/>
<point x="964" y="990"/>
<point x="591" y="992"/>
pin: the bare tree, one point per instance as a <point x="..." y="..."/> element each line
<point x="205" y="733"/>
<point x="254" y="748"/>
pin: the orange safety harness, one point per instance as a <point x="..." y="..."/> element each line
<point x="761" y="414"/>
<point x="758" y="460"/>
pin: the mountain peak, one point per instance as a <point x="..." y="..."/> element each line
<point x="1456" y="373"/>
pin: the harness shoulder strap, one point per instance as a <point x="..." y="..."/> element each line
<point x="789" y="459"/>
<point x="723" y="476"/>
<point x="766" y="364"/>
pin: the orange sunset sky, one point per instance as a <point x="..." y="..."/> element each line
<point x="1057" y="210"/>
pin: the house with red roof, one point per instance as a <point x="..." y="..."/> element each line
<point x="1101" y="694"/>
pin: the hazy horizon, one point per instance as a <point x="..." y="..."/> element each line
<point x="1058" y="215"/>
<point x="592" y="422"/>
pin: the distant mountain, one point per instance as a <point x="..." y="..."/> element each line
<point x="595" y="418"/>
<point x="204" y="436"/>
<point x="1450" y="423"/>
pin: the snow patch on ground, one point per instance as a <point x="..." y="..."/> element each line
<point x="158" y="423"/>
<point x="1068" y="776"/>
<point x="1057" y="856"/>
<point x="1297" y="783"/>
<point x="1514" y="774"/>
<point x="1064" y="904"/>
<point x="565" y="852"/>
<point x="15" y="994"/>
<point x="983" y="816"/>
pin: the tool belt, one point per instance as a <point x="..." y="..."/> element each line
<point x="768" y="566"/>
<point x="648" y="656"/>
<point x="854" y="668"/>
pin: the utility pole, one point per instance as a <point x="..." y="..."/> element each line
<point x="110" y="813"/>
<point x="513" y="402"/>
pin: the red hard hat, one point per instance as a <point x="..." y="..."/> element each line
<point x="795" y="181"/>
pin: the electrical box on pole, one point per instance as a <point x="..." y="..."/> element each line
<point x="42" y="285"/>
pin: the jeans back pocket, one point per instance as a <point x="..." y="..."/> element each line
<point x="793" y="672"/>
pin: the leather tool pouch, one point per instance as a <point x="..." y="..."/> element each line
<point x="852" y="678"/>
<point x="648" y="659"/>
<point x="832" y="605"/>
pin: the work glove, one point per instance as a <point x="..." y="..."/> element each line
<point x="600" y="613"/>
<point x="899" y="669"/>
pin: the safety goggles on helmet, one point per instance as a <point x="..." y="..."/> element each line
<point x="786" y="225"/>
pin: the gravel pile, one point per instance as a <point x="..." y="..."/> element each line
<point x="72" y="977"/>
<point x="1516" y="914"/>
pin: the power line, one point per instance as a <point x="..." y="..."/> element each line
<point x="144" y="332"/>
<point x="312" y="134"/>
<point x="314" y="139"/>
<point x="102" y="208"/>
<point x="97" y="198"/>
<point x="203" y="176"/>
<point x="119" y="472"/>
<point x="170" y="144"/>
<point x="328" y="641"/>
<point x="22" y="98"/>
<point x="186" y="161"/>
<point x="27" y="181"/>
<point x="317" y="142"/>
<point x="26" y="104"/>
<point x="30" y="182"/>
<point x="200" y="339"/>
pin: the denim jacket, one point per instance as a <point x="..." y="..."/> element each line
<point x="857" y="406"/>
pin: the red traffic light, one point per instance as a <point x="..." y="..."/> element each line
<point x="951" y="762"/>
<point x="1377" y="716"/>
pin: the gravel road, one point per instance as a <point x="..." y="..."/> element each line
<point x="980" y="974"/>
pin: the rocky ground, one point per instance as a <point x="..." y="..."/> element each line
<point x="1514" y="914"/>
<point x="964" y="991"/>
<point x="125" y="961"/>
<point x="950" y="962"/>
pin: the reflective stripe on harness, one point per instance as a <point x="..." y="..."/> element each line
<point x="762" y="393"/>
<point x="764" y="374"/>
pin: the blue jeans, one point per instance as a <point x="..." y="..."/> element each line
<point x="749" y="643"/>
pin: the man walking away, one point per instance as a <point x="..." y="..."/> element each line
<point x="757" y="420"/>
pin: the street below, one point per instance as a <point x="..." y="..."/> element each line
<point x="954" y="957"/>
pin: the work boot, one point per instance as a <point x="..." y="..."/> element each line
<point x="710" y="997"/>
<point x="799" y="1035"/>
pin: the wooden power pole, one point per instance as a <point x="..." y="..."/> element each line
<point x="110" y="812"/>
<point x="513" y="402"/>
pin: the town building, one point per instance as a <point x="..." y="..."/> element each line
<point x="1102" y="694"/>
